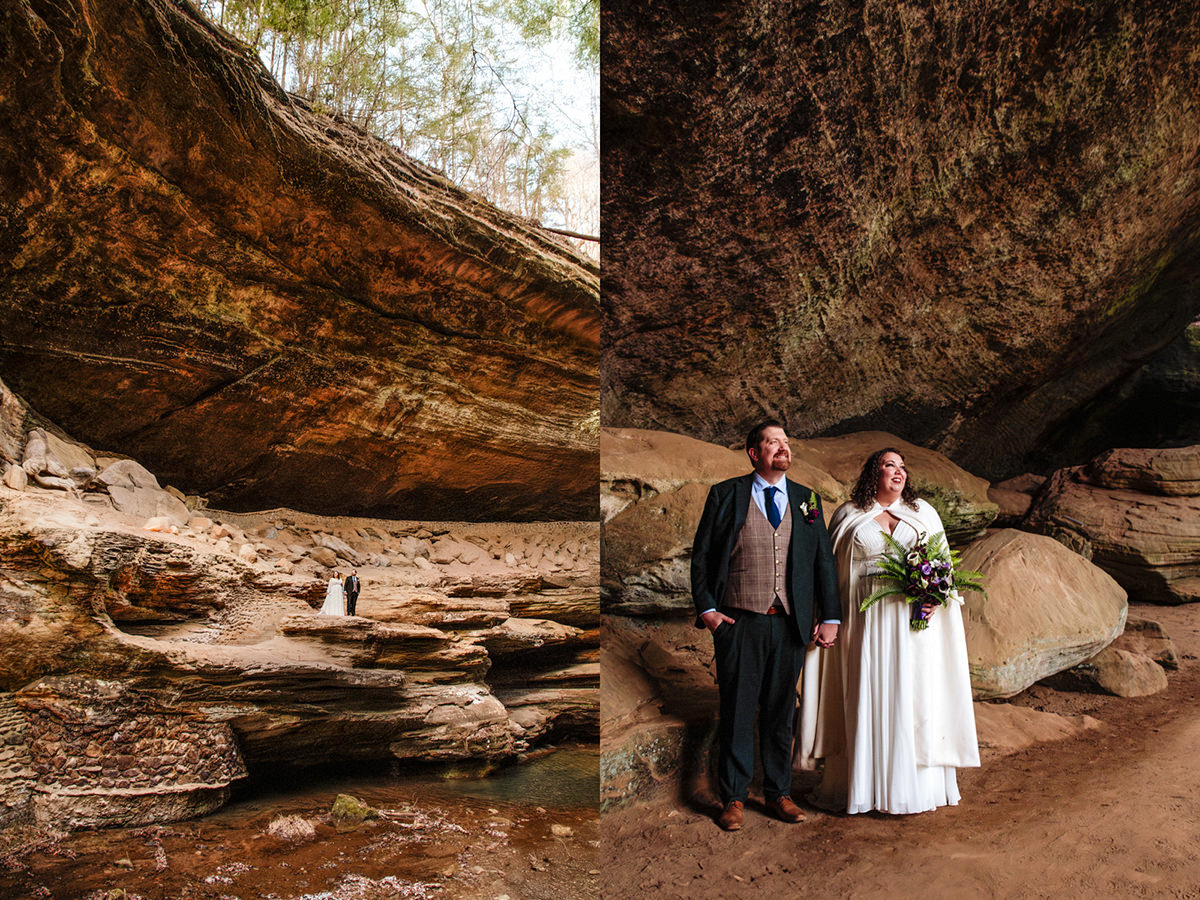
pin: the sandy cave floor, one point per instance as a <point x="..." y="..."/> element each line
<point x="1113" y="812"/>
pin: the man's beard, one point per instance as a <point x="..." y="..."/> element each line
<point x="781" y="465"/>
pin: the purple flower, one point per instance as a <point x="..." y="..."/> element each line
<point x="926" y="569"/>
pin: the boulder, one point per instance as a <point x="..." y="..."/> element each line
<point x="1113" y="671"/>
<point x="16" y="477"/>
<point x="338" y="546"/>
<point x="135" y="491"/>
<point x="409" y="547"/>
<point x="1147" y="638"/>
<point x="323" y="556"/>
<point x="71" y="454"/>
<point x="449" y="550"/>
<point x="1148" y="542"/>
<point x="39" y="459"/>
<point x="1029" y="483"/>
<point x="126" y="472"/>
<point x="1012" y="506"/>
<point x="348" y="812"/>
<point x="1046" y="610"/>
<point x="960" y="498"/>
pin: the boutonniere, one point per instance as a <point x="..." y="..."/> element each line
<point x="809" y="508"/>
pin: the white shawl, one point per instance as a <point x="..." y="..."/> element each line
<point x="943" y="713"/>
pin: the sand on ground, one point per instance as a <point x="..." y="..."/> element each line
<point x="1112" y="812"/>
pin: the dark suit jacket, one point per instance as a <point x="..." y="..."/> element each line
<point x="811" y="571"/>
<point x="353" y="585"/>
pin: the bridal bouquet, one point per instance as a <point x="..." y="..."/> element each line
<point x="926" y="573"/>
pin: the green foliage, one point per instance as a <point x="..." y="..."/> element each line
<point x="897" y="576"/>
<point x="436" y="78"/>
<point x="577" y="20"/>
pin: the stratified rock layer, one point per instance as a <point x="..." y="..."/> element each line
<point x="268" y="306"/>
<point x="147" y="666"/>
<point x="956" y="222"/>
<point x="1136" y="514"/>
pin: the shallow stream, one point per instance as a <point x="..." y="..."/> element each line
<point x="528" y="831"/>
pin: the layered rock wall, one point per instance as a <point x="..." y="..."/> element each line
<point x="265" y="305"/>
<point x="147" y="666"/>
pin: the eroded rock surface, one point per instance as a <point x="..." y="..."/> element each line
<point x="960" y="223"/>
<point x="260" y="303"/>
<point x="148" y="665"/>
<point x="1136" y="513"/>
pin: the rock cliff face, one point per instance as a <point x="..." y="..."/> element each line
<point x="1136" y="514"/>
<point x="148" y="664"/>
<point x="266" y="305"/>
<point x="959" y="223"/>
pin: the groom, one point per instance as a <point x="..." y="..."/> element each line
<point x="353" y="586"/>
<point x="761" y="567"/>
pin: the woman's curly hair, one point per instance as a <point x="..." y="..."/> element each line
<point x="863" y="495"/>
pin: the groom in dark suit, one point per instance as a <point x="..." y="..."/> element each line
<point x="761" y="567"/>
<point x="353" y="586"/>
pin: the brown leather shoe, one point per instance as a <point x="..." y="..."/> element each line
<point x="784" y="809"/>
<point x="731" y="816"/>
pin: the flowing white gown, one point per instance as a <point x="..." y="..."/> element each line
<point x="335" y="599"/>
<point x="888" y="709"/>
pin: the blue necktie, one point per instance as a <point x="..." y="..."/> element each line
<point x="772" y="511"/>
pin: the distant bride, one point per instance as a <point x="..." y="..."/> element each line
<point x="335" y="598"/>
<point x="889" y="708"/>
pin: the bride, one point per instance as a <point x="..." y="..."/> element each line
<point x="335" y="599"/>
<point x="887" y="708"/>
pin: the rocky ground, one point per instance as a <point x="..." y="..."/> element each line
<point x="158" y="654"/>
<point x="423" y="842"/>
<point x="1111" y="810"/>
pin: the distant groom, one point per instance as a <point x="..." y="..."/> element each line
<point x="353" y="586"/>
<point x="761" y="562"/>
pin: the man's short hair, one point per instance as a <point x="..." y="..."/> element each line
<point x="756" y="432"/>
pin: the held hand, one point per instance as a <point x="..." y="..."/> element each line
<point x="712" y="619"/>
<point x="927" y="609"/>
<point x="825" y="634"/>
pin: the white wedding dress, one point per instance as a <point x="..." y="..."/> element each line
<point x="889" y="709"/>
<point x="335" y="599"/>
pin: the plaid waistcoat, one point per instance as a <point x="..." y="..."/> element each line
<point x="758" y="564"/>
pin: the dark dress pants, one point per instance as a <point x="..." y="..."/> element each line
<point x="759" y="658"/>
<point x="351" y="602"/>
